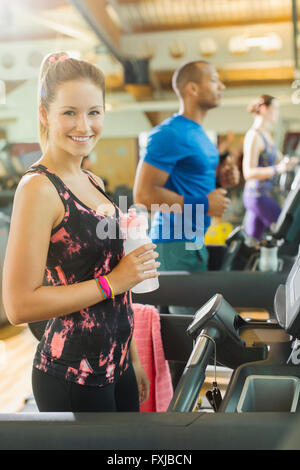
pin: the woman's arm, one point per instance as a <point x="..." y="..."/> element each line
<point x="141" y="377"/>
<point x="253" y="146"/>
<point x="36" y="208"/>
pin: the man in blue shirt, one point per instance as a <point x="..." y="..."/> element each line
<point x="178" y="175"/>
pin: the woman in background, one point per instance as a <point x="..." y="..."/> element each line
<point x="260" y="167"/>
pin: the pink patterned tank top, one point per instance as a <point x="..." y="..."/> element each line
<point x="90" y="346"/>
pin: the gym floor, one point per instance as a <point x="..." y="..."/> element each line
<point x="17" y="348"/>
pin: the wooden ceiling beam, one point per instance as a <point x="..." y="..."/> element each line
<point x="21" y="36"/>
<point x="238" y="77"/>
<point x="128" y="2"/>
<point x="230" y="78"/>
<point x="38" y="5"/>
<point x="95" y="13"/>
<point x="156" y="28"/>
<point x="257" y="75"/>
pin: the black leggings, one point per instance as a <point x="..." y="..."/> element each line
<point x="55" y="394"/>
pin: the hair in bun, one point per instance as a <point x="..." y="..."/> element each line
<point x="254" y="107"/>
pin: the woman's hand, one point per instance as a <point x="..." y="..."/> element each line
<point x="131" y="269"/>
<point x="142" y="381"/>
<point x="287" y="164"/>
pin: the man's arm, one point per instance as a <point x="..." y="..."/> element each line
<point x="149" y="189"/>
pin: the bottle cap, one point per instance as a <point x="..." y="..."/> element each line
<point x="132" y="220"/>
<point x="269" y="242"/>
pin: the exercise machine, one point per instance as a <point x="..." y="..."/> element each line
<point x="264" y="355"/>
<point x="260" y="410"/>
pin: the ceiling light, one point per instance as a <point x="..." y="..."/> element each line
<point x="146" y="51"/>
<point x="177" y="49"/>
<point x="207" y="47"/>
<point x="238" y="45"/>
<point x="271" y="42"/>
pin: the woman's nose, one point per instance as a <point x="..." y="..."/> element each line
<point x="82" y="124"/>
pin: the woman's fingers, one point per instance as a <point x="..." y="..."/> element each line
<point x="152" y="255"/>
<point x="143" y="249"/>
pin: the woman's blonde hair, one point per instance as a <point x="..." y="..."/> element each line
<point x="58" y="68"/>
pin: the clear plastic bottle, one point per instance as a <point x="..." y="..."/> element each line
<point x="134" y="229"/>
<point x="268" y="260"/>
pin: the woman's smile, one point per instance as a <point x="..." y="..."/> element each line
<point x="81" y="140"/>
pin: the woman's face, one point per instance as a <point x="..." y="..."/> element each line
<point x="75" y="119"/>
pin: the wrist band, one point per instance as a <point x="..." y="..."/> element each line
<point x="105" y="287"/>
<point x="110" y="286"/>
<point x="274" y="169"/>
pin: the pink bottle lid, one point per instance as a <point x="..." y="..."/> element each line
<point x="132" y="219"/>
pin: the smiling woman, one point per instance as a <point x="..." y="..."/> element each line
<point x="57" y="89"/>
<point x="80" y="124"/>
<point x="87" y="359"/>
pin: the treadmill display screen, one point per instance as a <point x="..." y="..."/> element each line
<point x="203" y="314"/>
<point x="287" y="225"/>
<point x="294" y="287"/>
<point x="293" y="300"/>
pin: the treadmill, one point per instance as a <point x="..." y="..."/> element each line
<point x="264" y="355"/>
<point x="260" y="410"/>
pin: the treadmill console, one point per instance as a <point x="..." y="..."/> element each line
<point x="221" y="320"/>
<point x="292" y="295"/>
<point x="203" y="315"/>
<point x="287" y="226"/>
<point x="287" y="301"/>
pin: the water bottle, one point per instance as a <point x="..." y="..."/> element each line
<point x="134" y="229"/>
<point x="268" y="260"/>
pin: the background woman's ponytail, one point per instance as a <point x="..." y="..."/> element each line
<point x="254" y="107"/>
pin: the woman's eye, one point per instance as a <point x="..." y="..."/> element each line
<point x="92" y="113"/>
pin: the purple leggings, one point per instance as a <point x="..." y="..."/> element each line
<point x="261" y="213"/>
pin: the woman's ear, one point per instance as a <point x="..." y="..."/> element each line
<point x="43" y="116"/>
<point x="263" y="109"/>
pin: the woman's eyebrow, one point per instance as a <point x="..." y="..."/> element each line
<point x="73" y="107"/>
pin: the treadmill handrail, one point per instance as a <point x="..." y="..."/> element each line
<point x="189" y="386"/>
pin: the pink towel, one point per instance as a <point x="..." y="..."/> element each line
<point x="149" y="345"/>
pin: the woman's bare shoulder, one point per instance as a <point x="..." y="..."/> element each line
<point x="36" y="189"/>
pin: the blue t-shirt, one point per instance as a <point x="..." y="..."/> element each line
<point x="181" y="147"/>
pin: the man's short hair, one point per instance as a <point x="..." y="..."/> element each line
<point x="187" y="72"/>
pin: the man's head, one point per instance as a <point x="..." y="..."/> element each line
<point x="198" y="81"/>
